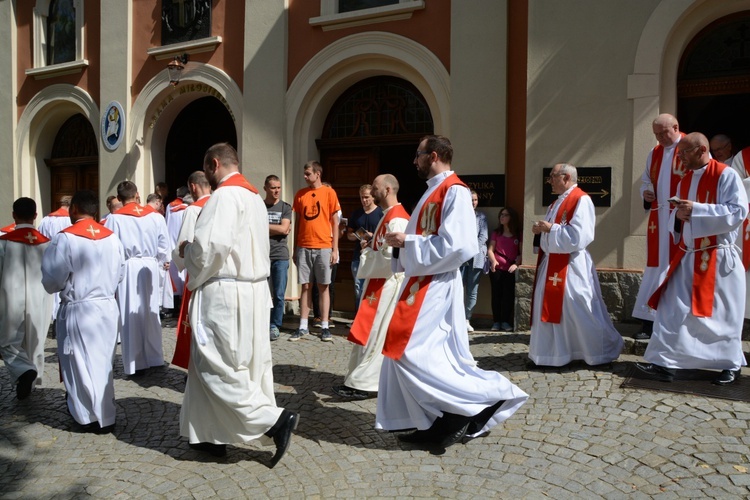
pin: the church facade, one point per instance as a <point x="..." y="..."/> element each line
<point x="518" y="85"/>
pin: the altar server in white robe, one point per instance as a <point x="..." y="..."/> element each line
<point x="51" y="224"/>
<point x="658" y="182"/>
<point x="569" y="320"/>
<point x="701" y="303"/>
<point x="229" y="393"/>
<point x="380" y="293"/>
<point x="200" y="191"/>
<point x="429" y="379"/>
<point x="143" y="234"/>
<point x="85" y="263"/>
<point x="25" y="307"/>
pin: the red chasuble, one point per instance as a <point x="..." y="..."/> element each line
<point x="88" y="228"/>
<point x="704" y="263"/>
<point x="557" y="265"/>
<point x="181" y="356"/>
<point x="411" y="299"/>
<point x="652" y="232"/>
<point x="745" y="231"/>
<point x="135" y="210"/>
<point x="368" y="307"/>
<point x="25" y="235"/>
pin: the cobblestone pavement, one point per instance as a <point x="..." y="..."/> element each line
<point x="579" y="435"/>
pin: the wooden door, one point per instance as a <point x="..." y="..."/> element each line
<point x="68" y="175"/>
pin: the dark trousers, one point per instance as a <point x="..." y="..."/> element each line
<point x="503" y="286"/>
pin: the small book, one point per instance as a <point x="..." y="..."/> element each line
<point x="674" y="200"/>
<point x="361" y="234"/>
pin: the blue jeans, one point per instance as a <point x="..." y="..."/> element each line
<point x="277" y="281"/>
<point x="358" y="284"/>
<point x="471" y="286"/>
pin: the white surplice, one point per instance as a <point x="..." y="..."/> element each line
<point x="229" y="394"/>
<point x="585" y="331"/>
<point x="25" y="307"/>
<point x="86" y="273"/>
<point x="738" y="164"/>
<point x="187" y="232"/>
<point x="365" y="361"/>
<point x="681" y="340"/>
<point x="176" y="274"/>
<point x="147" y="247"/>
<point x="50" y="226"/>
<point x="653" y="276"/>
<point x="437" y="372"/>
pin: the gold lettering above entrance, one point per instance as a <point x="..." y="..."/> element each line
<point x="185" y="88"/>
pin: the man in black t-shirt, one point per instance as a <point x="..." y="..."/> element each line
<point x="279" y="226"/>
<point x="362" y="224"/>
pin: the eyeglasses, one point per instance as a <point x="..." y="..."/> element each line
<point x="421" y="153"/>
<point x="683" y="152"/>
<point x="554" y="174"/>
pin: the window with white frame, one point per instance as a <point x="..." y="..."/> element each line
<point x="335" y="14"/>
<point x="58" y="37"/>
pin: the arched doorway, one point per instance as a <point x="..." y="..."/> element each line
<point x="201" y="124"/>
<point x="74" y="164"/>
<point x="713" y="80"/>
<point x="373" y="128"/>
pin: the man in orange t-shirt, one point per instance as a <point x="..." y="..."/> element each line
<point x="316" y="245"/>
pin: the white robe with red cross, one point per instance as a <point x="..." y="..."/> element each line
<point x="585" y="331"/>
<point x="25" y="307"/>
<point x="437" y="372"/>
<point x="680" y="339"/>
<point x="86" y="272"/>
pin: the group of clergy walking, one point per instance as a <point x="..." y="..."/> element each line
<point x="410" y="334"/>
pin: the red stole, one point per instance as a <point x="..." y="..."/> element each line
<point x="174" y="203"/>
<point x="8" y="228"/>
<point x="745" y="231"/>
<point x="88" y="228"/>
<point x="652" y="231"/>
<point x="60" y="212"/>
<point x="704" y="263"/>
<point x="25" y="235"/>
<point x="135" y="210"/>
<point x="410" y="302"/>
<point x="238" y="180"/>
<point x="181" y="356"/>
<point x="179" y="208"/>
<point x="368" y="306"/>
<point x="557" y="264"/>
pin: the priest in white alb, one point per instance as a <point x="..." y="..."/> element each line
<point x="51" y="224"/>
<point x="85" y="263"/>
<point x="143" y="234"/>
<point x="569" y="320"/>
<point x="25" y="307"/>
<point x="229" y="394"/>
<point x="429" y="380"/>
<point x="700" y="305"/>
<point x="380" y="294"/>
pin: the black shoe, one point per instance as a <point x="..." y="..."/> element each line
<point x="656" y="372"/>
<point x="345" y="392"/>
<point x="642" y="336"/>
<point x="25" y="383"/>
<point x="216" y="450"/>
<point x="453" y="437"/>
<point x="282" y="435"/>
<point x="727" y="377"/>
<point x="601" y="367"/>
<point x="109" y="429"/>
<point x="424" y="436"/>
<point x="138" y="373"/>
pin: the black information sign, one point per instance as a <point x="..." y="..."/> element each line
<point x="490" y="188"/>
<point x="596" y="181"/>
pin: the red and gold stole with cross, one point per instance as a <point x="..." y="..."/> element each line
<point x="181" y="356"/>
<point x="25" y="235"/>
<point x="745" y="230"/>
<point x="557" y="264"/>
<point x="88" y="228"/>
<point x="704" y="263"/>
<point x="652" y="233"/>
<point x="368" y="307"/>
<point x="410" y="302"/>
